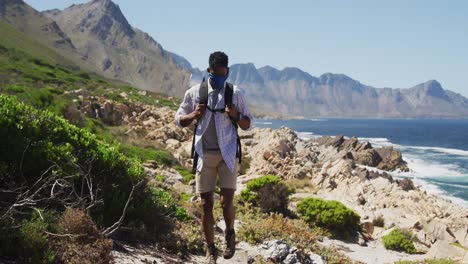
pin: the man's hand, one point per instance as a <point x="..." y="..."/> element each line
<point x="186" y="120"/>
<point x="199" y="111"/>
<point x="232" y="111"/>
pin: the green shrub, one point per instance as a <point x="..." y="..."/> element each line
<point x="274" y="197"/>
<point x="249" y="194"/>
<point x="399" y="240"/>
<point x="39" y="144"/>
<point x="268" y="192"/>
<point x="169" y="205"/>
<point x="330" y="214"/>
<point x="165" y="157"/>
<point x="188" y="175"/>
<point x="25" y="240"/>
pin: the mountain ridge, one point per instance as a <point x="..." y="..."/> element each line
<point x="294" y="91"/>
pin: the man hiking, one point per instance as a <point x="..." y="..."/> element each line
<point x="219" y="108"/>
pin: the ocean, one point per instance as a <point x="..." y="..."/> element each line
<point x="436" y="150"/>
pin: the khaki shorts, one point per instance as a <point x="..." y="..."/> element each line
<point x="214" y="167"/>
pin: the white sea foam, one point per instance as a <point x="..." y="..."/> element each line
<point x="263" y="123"/>
<point x="421" y="168"/>
<point x="306" y="135"/>
<point x="456" y="152"/>
<point x="430" y="188"/>
<point x="434" y="189"/>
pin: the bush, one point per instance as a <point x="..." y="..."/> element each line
<point x="330" y="214"/>
<point x="39" y="146"/>
<point x="399" y="240"/>
<point x="25" y="241"/>
<point x="268" y="192"/>
<point x="379" y="221"/>
<point x="83" y="243"/>
<point x="253" y="186"/>
<point x="273" y="197"/>
<point x="186" y="174"/>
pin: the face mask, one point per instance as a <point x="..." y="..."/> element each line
<point x="218" y="80"/>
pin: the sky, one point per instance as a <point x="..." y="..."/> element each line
<point x="396" y="44"/>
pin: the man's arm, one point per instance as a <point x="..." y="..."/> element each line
<point x="186" y="120"/>
<point x="241" y="108"/>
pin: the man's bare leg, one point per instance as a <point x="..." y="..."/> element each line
<point x="229" y="212"/>
<point x="207" y="216"/>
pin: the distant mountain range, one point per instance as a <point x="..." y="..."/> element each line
<point x="296" y="92"/>
<point x="97" y="37"/>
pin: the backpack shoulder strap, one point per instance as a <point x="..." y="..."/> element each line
<point x="203" y="92"/>
<point x="228" y="93"/>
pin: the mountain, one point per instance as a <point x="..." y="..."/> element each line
<point x="97" y="37"/>
<point x="296" y="92"/>
<point x="25" y="28"/>
<point x="102" y="34"/>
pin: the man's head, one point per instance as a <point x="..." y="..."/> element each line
<point x="218" y="64"/>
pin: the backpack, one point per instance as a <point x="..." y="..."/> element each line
<point x="203" y="93"/>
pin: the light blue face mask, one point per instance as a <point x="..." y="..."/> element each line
<point x="218" y="81"/>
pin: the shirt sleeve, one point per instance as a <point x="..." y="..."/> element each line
<point x="185" y="107"/>
<point x="242" y="105"/>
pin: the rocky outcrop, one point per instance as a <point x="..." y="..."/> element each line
<point x="385" y="158"/>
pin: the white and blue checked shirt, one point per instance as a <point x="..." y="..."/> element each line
<point x="225" y="130"/>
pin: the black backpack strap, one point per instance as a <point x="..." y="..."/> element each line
<point x="203" y="99"/>
<point x="228" y="92"/>
<point x="203" y="92"/>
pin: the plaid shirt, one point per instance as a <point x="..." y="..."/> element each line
<point x="225" y="130"/>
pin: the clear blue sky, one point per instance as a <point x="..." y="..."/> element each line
<point x="394" y="44"/>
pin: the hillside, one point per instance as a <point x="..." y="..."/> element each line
<point x="97" y="38"/>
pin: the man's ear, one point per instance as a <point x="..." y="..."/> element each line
<point x="227" y="71"/>
<point x="208" y="70"/>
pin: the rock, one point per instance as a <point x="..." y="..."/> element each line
<point x="331" y="141"/>
<point x="391" y="159"/>
<point x="462" y="236"/>
<point x="316" y="259"/>
<point x="280" y="252"/>
<point x="367" y="157"/>
<point x="172" y="143"/>
<point x="267" y="155"/>
<point x="171" y="177"/>
<point x="406" y="184"/>
<point x="149" y="122"/>
<point x="368" y="227"/>
<point x="275" y="250"/>
<point x="442" y="249"/>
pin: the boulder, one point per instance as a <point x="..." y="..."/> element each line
<point x="391" y="159"/>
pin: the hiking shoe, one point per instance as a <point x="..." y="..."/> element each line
<point x="230" y="244"/>
<point x="211" y="254"/>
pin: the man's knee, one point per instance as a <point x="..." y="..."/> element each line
<point x="207" y="202"/>
<point x="227" y="197"/>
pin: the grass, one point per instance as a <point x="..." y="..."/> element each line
<point x="302" y="185"/>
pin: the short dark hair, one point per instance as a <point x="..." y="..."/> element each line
<point x="218" y="59"/>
